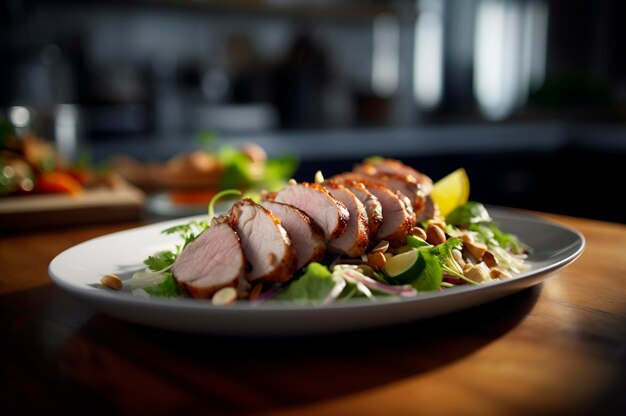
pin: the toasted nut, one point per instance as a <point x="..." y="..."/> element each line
<point x="319" y="177"/>
<point x="439" y="224"/>
<point x="458" y="256"/>
<point x="477" y="272"/>
<point x="477" y="250"/>
<point x="489" y="259"/>
<point x="111" y="281"/>
<point x="381" y="247"/>
<point x="498" y="273"/>
<point x="376" y="260"/>
<point x="256" y="291"/>
<point x="366" y="270"/>
<point x="292" y="182"/>
<point x="418" y="232"/>
<point x="224" y="296"/>
<point x="434" y="235"/>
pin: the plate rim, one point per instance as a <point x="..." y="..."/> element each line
<point x="524" y="279"/>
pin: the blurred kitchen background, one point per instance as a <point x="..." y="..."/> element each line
<point x="528" y="96"/>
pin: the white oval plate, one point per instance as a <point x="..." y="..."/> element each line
<point x="79" y="269"/>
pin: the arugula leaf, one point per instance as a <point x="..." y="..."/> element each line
<point x="431" y="276"/>
<point x="492" y="235"/>
<point x="311" y="288"/>
<point x="443" y="254"/>
<point x="160" y="261"/>
<point x="468" y="213"/>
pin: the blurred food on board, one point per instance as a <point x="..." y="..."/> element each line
<point x="30" y="165"/>
<point x="195" y="177"/>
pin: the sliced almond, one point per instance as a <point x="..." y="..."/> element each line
<point x="381" y="247"/>
<point x="224" y="296"/>
<point x="418" y="232"/>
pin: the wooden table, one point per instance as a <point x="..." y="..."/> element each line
<point x="557" y="348"/>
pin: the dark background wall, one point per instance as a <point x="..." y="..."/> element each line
<point x="144" y="77"/>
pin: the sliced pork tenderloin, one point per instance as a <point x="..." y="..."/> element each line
<point x="430" y="211"/>
<point x="397" y="216"/>
<point x="355" y="240"/>
<point x="265" y="243"/>
<point x="372" y="206"/>
<point x="406" y="185"/>
<point x="331" y="215"/>
<point x="212" y="261"/>
<point x="375" y="166"/>
<point x="307" y="238"/>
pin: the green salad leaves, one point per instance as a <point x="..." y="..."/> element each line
<point x="420" y="266"/>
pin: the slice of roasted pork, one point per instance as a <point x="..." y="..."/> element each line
<point x="265" y="243"/>
<point x="307" y="238"/>
<point x="355" y="239"/>
<point x="372" y="207"/>
<point x="330" y="214"/>
<point x="398" y="218"/>
<point x="212" y="261"/>
<point x="377" y="165"/>
<point x="406" y="185"/>
<point x="430" y="211"/>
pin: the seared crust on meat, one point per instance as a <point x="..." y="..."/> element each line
<point x="355" y="239"/>
<point x="372" y="206"/>
<point x="315" y="200"/>
<point x="398" y="218"/>
<point x="376" y="165"/>
<point x="306" y="236"/>
<point x="407" y="185"/>
<point x="264" y="241"/>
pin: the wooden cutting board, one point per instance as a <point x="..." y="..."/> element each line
<point x="122" y="203"/>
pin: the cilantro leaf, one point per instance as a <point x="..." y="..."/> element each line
<point x="160" y="261"/>
<point x="168" y="288"/>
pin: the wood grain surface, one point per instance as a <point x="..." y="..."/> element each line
<point x="555" y="349"/>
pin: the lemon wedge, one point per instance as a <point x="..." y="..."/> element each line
<point x="451" y="191"/>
